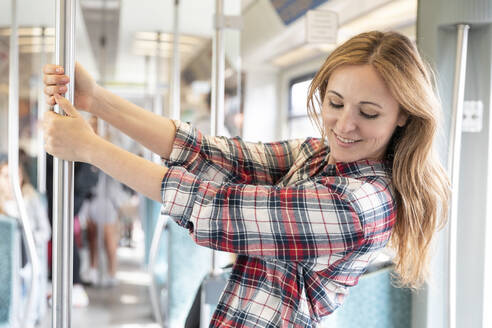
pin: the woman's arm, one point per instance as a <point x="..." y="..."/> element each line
<point x="137" y="173"/>
<point x="317" y="218"/>
<point x="71" y="138"/>
<point x="153" y="131"/>
<point x="227" y="160"/>
<point x="233" y="160"/>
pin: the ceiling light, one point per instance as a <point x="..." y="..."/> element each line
<point x="36" y="40"/>
<point x="29" y="31"/>
<point x="168" y="37"/>
<point x="393" y="15"/>
<point x="33" y="49"/>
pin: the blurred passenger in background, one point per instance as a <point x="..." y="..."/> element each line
<point x="100" y="212"/>
<point x="128" y="217"/>
<point x="37" y="215"/>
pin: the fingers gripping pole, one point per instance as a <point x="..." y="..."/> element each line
<point x="13" y="166"/>
<point x="63" y="178"/>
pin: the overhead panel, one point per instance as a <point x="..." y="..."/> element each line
<point x="290" y="10"/>
<point x="102" y="18"/>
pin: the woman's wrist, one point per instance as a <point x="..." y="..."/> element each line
<point x="93" y="148"/>
<point x="96" y="105"/>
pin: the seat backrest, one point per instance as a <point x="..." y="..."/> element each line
<point x="10" y="254"/>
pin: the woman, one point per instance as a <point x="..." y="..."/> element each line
<point x="305" y="218"/>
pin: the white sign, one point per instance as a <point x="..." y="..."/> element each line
<point x="321" y="27"/>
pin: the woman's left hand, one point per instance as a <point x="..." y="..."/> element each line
<point x="68" y="137"/>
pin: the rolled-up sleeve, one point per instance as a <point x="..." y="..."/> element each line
<point x="231" y="159"/>
<point x="308" y="220"/>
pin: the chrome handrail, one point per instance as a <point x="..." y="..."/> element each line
<point x="174" y="99"/>
<point x="218" y="86"/>
<point x="13" y="166"/>
<point x="41" y="167"/>
<point x="154" y="250"/>
<point x="63" y="178"/>
<point x="454" y="163"/>
<point x="218" y="73"/>
<point x="175" y="110"/>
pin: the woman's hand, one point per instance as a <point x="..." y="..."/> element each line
<point x="56" y="83"/>
<point x="68" y="137"/>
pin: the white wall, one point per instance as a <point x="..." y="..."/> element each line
<point x="261" y="104"/>
<point x="437" y="39"/>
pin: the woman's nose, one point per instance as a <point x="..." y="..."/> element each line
<point x="346" y="122"/>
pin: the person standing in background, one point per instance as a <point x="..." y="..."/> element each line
<point x="37" y="215"/>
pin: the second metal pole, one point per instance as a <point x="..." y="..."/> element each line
<point x="28" y="317"/>
<point x="174" y="99"/>
<point x="454" y="163"/>
<point x="218" y="68"/>
<point x="63" y="179"/>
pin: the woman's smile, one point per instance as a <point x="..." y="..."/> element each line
<point x="345" y="142"/>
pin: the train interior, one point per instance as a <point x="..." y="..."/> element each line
<point x="140" y="269"/>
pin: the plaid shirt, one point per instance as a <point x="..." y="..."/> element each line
<point x="304" y="230"/>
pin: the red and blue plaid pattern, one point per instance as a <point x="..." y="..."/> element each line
<point x="304" y="230"/>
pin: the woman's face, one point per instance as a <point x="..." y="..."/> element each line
<point x="359" y="114"/>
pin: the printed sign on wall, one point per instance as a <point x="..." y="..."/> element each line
<point x="290" y="10"/>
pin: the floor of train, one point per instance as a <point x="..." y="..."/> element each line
<point x="124" y="306"/>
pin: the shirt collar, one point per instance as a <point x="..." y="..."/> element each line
<point x="361" y="168"/>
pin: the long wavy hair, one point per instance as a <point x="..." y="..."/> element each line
<point x="421" y="184"/>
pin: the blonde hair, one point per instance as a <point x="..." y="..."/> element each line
<point x="419" y="180"/>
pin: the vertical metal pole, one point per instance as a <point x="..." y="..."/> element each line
<point x="156" y="236"/>
<point x="454" y="163"/>
<point x="13" y="166"/>
<point x="41" y="167"/>
<point x="147" y="154"/>
<point x="218" y="68"/>
<point x="175" y="113"/>
<point x="154" y="251"/>
<point x="174" y="99"/>
<point x="63" y="178"/>
<point x="158" y="92"/>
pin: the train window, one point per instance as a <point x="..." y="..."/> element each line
<point x="298" y="122"/>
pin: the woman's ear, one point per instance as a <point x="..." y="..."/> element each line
<point x="402" y="118"/>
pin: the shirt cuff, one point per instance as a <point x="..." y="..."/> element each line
<point x="186" y="146"/>
<point x="178" y="192"/>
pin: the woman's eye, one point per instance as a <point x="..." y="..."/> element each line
<point x="334" y="105"/>
<point x="371" y="117"/>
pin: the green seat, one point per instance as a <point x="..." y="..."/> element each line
<point x="374" y="303"/>
<point x="10" y="254"/>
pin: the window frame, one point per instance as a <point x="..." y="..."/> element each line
<point x="292" y="82"/>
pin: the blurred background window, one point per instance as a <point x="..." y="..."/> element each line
<point x="298" y="122"/>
